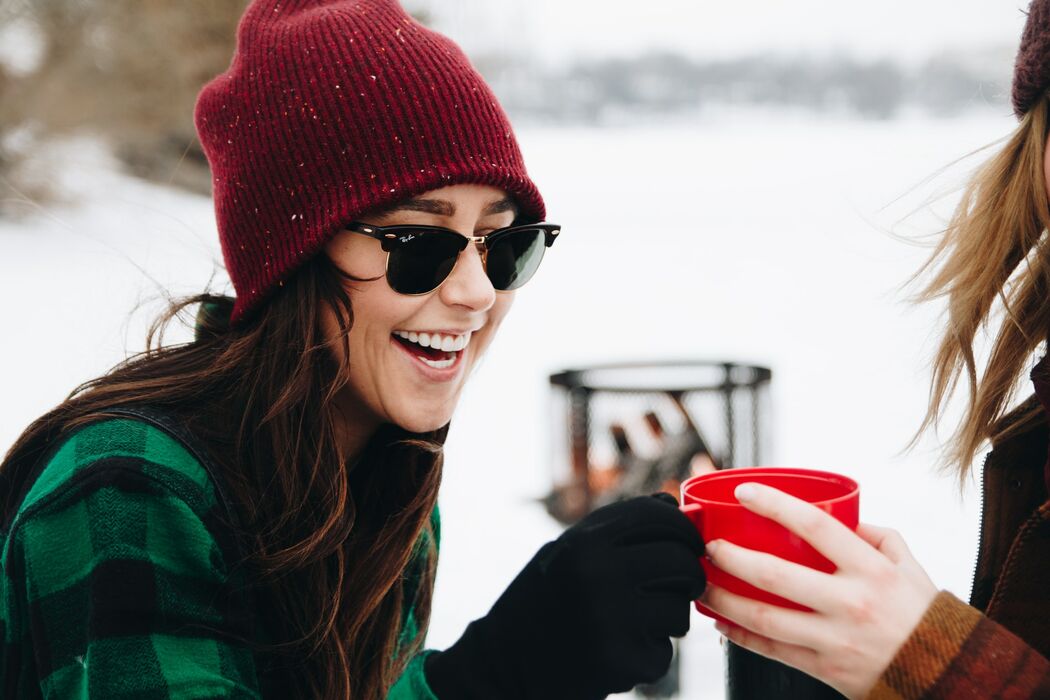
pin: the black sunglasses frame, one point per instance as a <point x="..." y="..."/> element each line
<point x="393" y="237"/>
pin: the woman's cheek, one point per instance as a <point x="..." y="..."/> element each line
<point x="504" y="301"/>
<point x="496" y="315"/>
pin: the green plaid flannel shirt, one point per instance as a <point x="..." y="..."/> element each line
<point x="114" y="582"/>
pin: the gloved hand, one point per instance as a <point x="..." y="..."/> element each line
<point x="591" y="614"/>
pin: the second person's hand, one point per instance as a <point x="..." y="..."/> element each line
<point x="862" y="614"/>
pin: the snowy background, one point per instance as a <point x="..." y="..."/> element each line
<point x="764" y="236"/>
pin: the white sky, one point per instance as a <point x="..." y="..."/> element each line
<point x="909" y="30"/>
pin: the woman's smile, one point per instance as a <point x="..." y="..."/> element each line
<point x="437" y="356"/>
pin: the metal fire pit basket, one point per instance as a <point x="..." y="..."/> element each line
<point x="635" y="428"/>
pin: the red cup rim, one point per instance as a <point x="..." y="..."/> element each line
<point x="853" y="486"/>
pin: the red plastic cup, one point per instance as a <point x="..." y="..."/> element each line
<point x="708" y="501"/>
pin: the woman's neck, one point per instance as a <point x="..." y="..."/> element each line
<point x="354" y="427"/>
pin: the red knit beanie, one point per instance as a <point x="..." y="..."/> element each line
<point x="1032" y="69"/>
<point x="330" y="109"/>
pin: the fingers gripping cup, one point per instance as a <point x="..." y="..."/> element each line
<point x="709" y="502"/>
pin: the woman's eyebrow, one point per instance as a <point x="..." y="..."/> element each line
<point x="443" y="207"/>
<point x="500" y="206"/>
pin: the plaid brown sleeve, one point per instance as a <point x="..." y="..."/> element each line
<point x="956" y="653"/>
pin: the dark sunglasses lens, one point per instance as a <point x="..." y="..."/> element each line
<point x="422" y="260"/>
<point x="514" y="258"/>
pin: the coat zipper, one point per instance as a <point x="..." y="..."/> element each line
<point x="1007" y="577"/>
<point x="980" y="532"/>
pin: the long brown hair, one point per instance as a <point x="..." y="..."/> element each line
<point x="993" y="250"/>
<point x="329" y="541"/>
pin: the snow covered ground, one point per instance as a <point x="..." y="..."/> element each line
<point x="757" y="237"/>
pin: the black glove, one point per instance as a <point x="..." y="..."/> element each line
<point x="591" y="614"/>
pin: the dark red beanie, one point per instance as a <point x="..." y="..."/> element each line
<point x="1032" y="69"/>
<point x="330" y="109"/>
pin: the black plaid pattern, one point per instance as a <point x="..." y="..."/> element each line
<point x="116" y="578"/>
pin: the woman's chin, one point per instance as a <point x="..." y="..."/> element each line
<point x="422" y="421"/>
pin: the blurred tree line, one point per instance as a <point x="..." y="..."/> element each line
<point x="641" y="87"/>
<point x="126" y="70"/>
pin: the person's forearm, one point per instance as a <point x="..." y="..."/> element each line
<point x="957" y="653"/>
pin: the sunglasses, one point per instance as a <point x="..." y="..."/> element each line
<point x="420" y="258"/>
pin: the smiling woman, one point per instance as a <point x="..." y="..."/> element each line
<point x="412" y="353"/>
<point x="254" y="513"/>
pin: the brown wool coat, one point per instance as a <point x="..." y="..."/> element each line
<point x="999" y="645"/>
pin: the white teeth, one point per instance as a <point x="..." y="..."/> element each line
<point x="444" y="343"/>
<point x="439" y="364"/>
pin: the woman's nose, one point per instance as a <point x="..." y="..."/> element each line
<point x="468" y="285"/>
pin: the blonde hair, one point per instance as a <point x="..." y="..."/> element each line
<point x="994" y="247"/>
